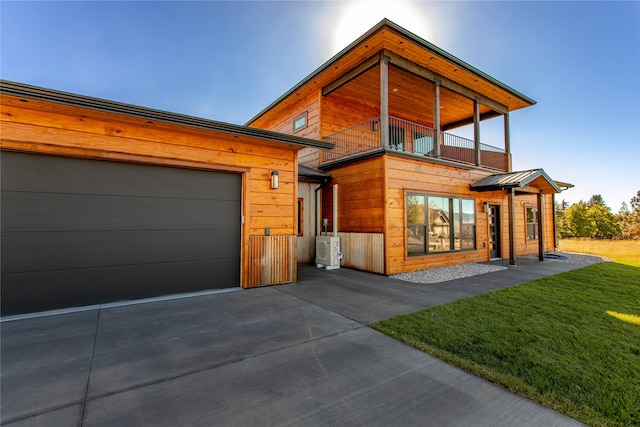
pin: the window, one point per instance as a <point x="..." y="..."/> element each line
<point x="439" y="224"/>
<point x="300" y="122"/>
<point x="300" y="216"/>
<point x="532" y="223"/>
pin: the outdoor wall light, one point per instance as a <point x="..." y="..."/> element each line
<point x="274" y="180"/>
<point x="486" y="208"/>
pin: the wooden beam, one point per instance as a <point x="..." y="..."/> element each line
<point x="507" y="140"/>
<point x="512" y="227"/>
<point x="465" y="122"/>
<point x="436" y="118"/>
<point x="384" y="100"/>
<point x="540" y="228"/>
<point x="418" y="70"/>
<point x="350" y="75"/>
<point x="476" y="130"/>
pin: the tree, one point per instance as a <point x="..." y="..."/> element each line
<point x="629" y="220"/>
<point x="596" y="200"/>
<point x="578" y="221"/>
<point x="606" y="224"/>
<point x="561" y="223"/>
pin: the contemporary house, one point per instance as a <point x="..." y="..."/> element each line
<point x="413" y="193"/>
<point x="103" y="201"/>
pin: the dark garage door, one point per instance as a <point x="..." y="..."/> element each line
<point x="78" y="232"/>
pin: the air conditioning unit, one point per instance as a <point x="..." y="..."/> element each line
<point x="328" y="254"/>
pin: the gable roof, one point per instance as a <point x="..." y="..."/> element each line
<point x="42" y="94"/>
<point x="390" y="37"/>
<point x="523" y="180"/>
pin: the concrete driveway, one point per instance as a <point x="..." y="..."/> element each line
<point x="298" y="354"/>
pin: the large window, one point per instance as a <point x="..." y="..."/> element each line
<point x="532" y="223"/>
<point x="439" y="224"/>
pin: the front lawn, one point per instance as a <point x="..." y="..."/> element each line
<point x="551" y="340"/>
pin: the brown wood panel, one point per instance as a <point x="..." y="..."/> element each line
<point x="272" y="260"/>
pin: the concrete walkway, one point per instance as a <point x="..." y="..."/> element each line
<point x="298" y="354"/>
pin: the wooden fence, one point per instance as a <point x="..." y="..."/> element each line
<point x="363" y="251"/>
<point x="272" y="260"/>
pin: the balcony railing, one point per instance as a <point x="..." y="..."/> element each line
<point x="411" y="138"/>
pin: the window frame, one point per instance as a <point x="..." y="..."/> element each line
<point x="304" y="125"/>
<point x="455" y="209"/>
<point x="300" y="216"/>
<point x="533" y="224"/>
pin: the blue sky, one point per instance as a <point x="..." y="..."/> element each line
<point x="226" y="61"/>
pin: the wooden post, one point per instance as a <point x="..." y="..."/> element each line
<point x="540" y="228"/>
<point x="507" y="140"/>
<point x="476" y="129"/>
<point x="436" y="118"/>
<point x="512" y="226"/>
<point x="384" y="101"/>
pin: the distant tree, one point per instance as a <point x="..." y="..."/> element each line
<point x="596" y="199"/>
<point x="629" y="219"/>
<point x="606" y="223"/>
<point x="578" y="221"/>
<point x="561" y="222"/>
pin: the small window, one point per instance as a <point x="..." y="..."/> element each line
<point x="532" y="223"/>
<point x="301" y="217"/>
<point x="300" y="122"/>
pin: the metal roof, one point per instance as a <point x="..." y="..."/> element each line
<point x="38" y="93"/>
<point x="306" y="172"/>
<point x="536" y="178"/>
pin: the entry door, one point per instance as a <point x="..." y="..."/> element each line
<point x="494" y="231"/>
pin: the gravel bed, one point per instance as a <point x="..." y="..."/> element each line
<point x="444" y="274"/>
<point x="573" y="257"/>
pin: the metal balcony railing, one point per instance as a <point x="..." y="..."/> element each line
<point x="411" y="138"/>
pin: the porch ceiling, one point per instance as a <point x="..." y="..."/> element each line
<point x="411" y="97"/>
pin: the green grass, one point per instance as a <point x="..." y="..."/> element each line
<point x="550" y="340"/>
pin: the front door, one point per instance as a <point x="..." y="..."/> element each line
<point x="494" y="231"/>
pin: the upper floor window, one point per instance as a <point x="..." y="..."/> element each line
<point x="439" y="224"/>
<point x="300" y="122"/>
<point x="532" y="223"/>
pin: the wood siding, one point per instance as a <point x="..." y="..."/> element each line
<point x="360" y="196"/>
<point x="272" y="260"/>
<point x="49" y="128"/>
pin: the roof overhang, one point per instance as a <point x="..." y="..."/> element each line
<point x="22" y="90"/>
<point x="398" y="43"/>
<point x="310" y="174"/>
<point x="530" y="181"/>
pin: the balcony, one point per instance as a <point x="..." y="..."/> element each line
<point x="412" y="139"/>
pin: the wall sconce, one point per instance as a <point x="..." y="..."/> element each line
<point x="485" y="207"/>
<point x="374" y="126"/>
<point x="274" y="180"/>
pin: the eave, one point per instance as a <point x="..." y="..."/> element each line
<point x="25" y="91"/>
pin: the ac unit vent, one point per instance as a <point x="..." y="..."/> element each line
<point x="328" y="254"/>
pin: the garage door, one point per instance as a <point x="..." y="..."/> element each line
<point x="78" y="232"/>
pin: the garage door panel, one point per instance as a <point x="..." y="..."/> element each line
<point x="77" y="232"/>
<point x="23" y="252"/>
<point x="50" y="290"/>
<point x="51" y="212"/>
<point x="51" y="174"/>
